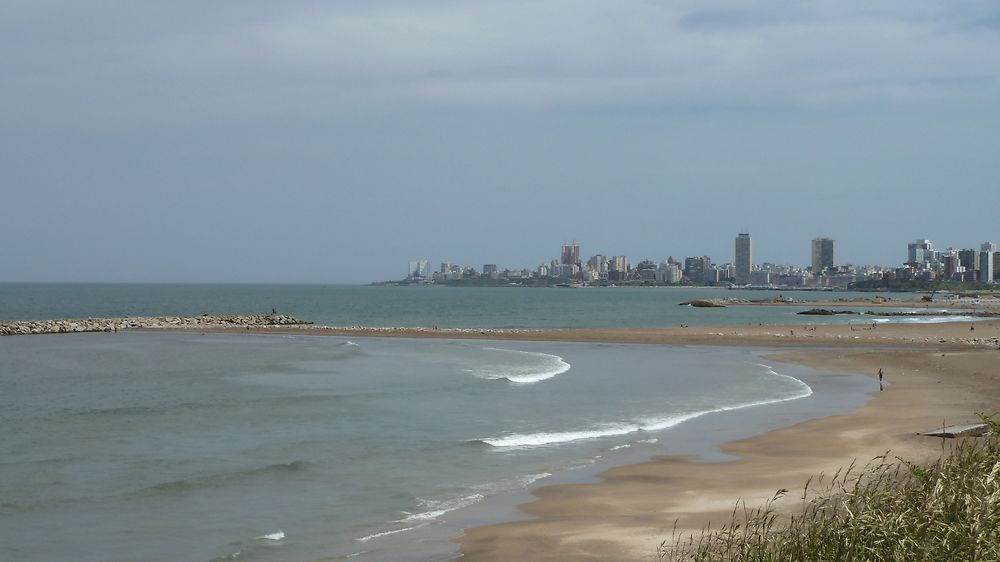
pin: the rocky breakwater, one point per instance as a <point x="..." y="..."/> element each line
<point x="205" y="321"/>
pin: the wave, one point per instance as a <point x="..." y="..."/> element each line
<point x="391" y="532"/>
<point x="438" y="508"/>
<point x="275" y="536"/>
<point x="186" y="484"/>
<point x="521" y="441"/>
<point x="549" y="366"/>
<point x="637" y="442"/>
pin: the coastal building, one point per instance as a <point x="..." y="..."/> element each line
<point x="490" y="270"/>
<point x="760" y="277"/>
<point x="824" y="254"/>
<point x="570" y="254"/>
<point x="618" y="267"/>
<point x="744" y="258"/>
<point x="419" y="269"/>
<point x="969" y="259"/>
<point x="919" y="251"/>
<point x="668" y="272"/>
<point x="986" y="267"/>
<point x="987" y="262"/>
<point x="696" y="268"/>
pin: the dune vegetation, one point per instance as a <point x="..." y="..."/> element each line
<point x="891" y="509"/>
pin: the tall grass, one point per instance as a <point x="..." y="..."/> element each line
<point x="889" y="510"/>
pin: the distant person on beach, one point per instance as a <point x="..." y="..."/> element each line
<point x="880" y="378"/>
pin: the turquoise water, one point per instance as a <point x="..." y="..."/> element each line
<point x="181" y="446"/>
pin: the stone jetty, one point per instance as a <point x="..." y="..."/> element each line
<point x="205" y="321"/>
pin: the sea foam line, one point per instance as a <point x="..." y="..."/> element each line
<point x="392" y="532"/>
<point x="518" y="441"/>
<point x="558" y="366"/>
<point x="439" y="508"/>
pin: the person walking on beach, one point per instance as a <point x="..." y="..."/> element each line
<point x="880" y="378"/>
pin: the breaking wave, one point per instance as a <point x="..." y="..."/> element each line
<point x="543" y="368"/>
<point x="528" y="440"/>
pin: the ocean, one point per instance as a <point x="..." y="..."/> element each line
<point x="205" y="447"/>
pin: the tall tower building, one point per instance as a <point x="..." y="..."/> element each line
<point x="986" y="266"/>
<point x="919" y="251"/>
<point x="744" y="258"/>
<point x="824" y="254"/>
<point x="570" y="254"/>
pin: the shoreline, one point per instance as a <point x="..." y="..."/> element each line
<point x="634" y="507"/>
<point x="937" y="373"/>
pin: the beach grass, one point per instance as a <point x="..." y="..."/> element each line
<point x="890" y="509"/>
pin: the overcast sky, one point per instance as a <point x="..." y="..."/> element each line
<point x="333" y="141"/>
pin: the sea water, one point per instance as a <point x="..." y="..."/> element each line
<point x="183" y="446"/>
<point x="445" y="307"/>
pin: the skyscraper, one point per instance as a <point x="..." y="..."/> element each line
<point x="570" y="254"/>
<point x="986" y="265"/>
<point x="419" y="269"/>
<point x="744" y="258"/>
<point x="824" y="254"/>
<point x="919" y="251"/>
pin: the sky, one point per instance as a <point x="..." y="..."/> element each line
<point x="334" y="141"/>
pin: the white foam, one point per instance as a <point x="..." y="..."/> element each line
<point x="392" y="532"/>
<point x="539" y="439"/>
<point x="276" y="536"/>
<point x="551" y="366"/>
<point x="439" y="508"/>
<point x="518" y="441"/>
<point x="351" y="344"/>
<point x="530" y="479"/>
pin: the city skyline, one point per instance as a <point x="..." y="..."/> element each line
<point x="822" y="251"/>
<point x="330" y="142"/>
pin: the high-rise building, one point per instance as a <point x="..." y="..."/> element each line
<point x="570" y="254"/>
<point x="696" y="268"/>
<point x="919" y="251"/>
<point x="420" y="269"/>
<point x="618" y="267"/>
<point x="744" y="258"/>
<point x="969" y="259"/>
<point x="824" y="254"/>
<point x="986" y="266"/>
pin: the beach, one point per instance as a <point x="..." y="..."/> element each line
<point x="935" y="374"/>
<point x="634" y="508"/>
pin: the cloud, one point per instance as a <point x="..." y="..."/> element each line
<point x="142" y="60"/>
<point x="539" y="53"/>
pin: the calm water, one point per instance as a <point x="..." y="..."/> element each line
<point x="462" y="307"/>
<point x="178" y="446"/>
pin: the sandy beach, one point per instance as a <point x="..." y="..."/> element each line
<point x="936" y="373"/>
<point x="941" y="373"/>
<point x="627" y="515"/>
